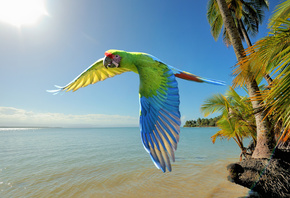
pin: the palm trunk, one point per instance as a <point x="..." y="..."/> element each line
<point x="264" y="140"/>
<point x="245" y="34"/>
<point x="265" y="137"/>
<point x="266" y="76"/>
<point x="268" y="79"/>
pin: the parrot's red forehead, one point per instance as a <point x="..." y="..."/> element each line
<point x="108" y="54"/>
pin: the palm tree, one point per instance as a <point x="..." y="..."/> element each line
<point x="272" y="54"/>
<point x="265" y="137"/>
<point x="247" y="16"/>
<point x="237" y="120"/>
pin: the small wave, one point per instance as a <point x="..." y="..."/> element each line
<point x="17" y="129"/>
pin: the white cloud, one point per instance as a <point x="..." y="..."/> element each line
<point x="10" y="116"/>
<point x="183" y="120"/>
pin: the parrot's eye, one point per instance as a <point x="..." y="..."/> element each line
<point x="117" y="56"/>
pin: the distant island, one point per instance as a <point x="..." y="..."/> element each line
<point x="202" y="122"/>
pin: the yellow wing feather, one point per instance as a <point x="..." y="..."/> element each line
<point x="93" y="74"/>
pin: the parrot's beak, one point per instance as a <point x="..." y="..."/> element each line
<point x="108" y="62"/>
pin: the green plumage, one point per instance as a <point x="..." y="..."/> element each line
<point x="152" y="73"/>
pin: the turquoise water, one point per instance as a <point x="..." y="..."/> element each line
<point x="111" y="162"/>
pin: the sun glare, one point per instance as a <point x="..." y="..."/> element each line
<point x="21" y="12"/>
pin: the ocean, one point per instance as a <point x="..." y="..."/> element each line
<point x="111" y="162"/>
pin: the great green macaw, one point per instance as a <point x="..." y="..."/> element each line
<point x="159" y="98"/>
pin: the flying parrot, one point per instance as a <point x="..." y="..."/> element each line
<point x="159" y="98"/>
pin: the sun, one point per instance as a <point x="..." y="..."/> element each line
<point x="21" y="12"/>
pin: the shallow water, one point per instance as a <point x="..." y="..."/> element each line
<point x="111" y="162"/>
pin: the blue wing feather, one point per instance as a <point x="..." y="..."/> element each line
<point x="160" y="122"/>
<point x="168" y="131"/>
<point x="168" y="125"/>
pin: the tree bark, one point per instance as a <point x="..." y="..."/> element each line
<point x="265" y="143"/>
<point x="268" y="79"/>
<point x="245" y="34"/>
<point x="270" y="178"/>
<point x="265" y="137"/>
<point x="231" y="29"/>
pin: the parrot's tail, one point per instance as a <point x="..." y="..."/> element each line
<point x="188" y="76"/>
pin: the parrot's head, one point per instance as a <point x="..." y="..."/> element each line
<point x="112" y="59"/>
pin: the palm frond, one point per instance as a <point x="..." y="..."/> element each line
<point x="281" y="13"/>
<point x="252" y="17"/>
<point x="214" y="18"/>
<point x="262" y="3"/>
<point x="271" y="54"/>
<point x="237" y="120"/>
<point x="216" y="103"/>
<point x="216" y="26"/>
<point x="217" y="135"/>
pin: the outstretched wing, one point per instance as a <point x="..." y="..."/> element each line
<point x="159" y="116"/>
<point x="93" y="74"/>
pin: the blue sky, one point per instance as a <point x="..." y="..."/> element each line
<point x="75" y="33"/>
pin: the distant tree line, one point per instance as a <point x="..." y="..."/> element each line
<point x="202" y="122"/>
